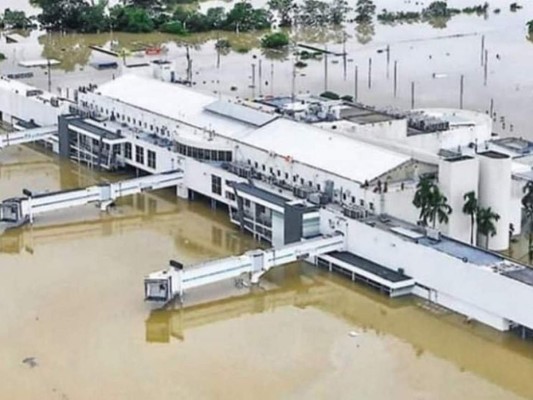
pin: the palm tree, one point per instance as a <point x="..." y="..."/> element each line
<point x="438" y="208"/>
<point x="527" y="203"/>
<point x="485" y="223"/>
<point x="422" y="197"/>
<point x="470" y="208"/>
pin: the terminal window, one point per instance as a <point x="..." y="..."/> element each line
<point x="216" y="184"/>
<point x="151" y="159"/>
<point x="139" y="154"/>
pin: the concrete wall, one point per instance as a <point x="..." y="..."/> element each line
<point x="456" y="178"/>
<point x="472" y="290"/>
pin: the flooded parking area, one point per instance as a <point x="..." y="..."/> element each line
<point x="74" y="325"/>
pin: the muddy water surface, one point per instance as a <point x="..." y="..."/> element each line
<point x="72" y="308"/>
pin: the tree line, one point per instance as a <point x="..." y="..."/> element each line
<point x="90" y="16"/>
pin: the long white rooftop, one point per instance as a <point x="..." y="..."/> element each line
<point x="326" y="150"/>
<point x="174" y="101"/>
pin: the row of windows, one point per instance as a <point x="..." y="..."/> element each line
<point x="124" y="118"/>
<point x="204" y="154"/>
<point x="139" y="155"/>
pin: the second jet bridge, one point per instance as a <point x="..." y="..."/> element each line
<point x="18" y="211"/>
<point x="174" y="281"/>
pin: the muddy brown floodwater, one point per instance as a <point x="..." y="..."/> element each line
<point x="74" y="324"/>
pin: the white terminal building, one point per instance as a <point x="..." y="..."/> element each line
<point x="291" y="169"/>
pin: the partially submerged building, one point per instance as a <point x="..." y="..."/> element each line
<point x="343" y="168"/>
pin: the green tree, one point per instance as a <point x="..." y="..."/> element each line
<point x="422" y="197"/>
<point x="243" y="18"/>
<point x="131" y="19"/>
<point x="432" y="203"/>
<point x="94" y="18"/>
<point x="364" y="11"/>
<point x="338" y="10"/>
<point x="438" y="208"/>
<point x="285" y="9"/>
<point x="470" y="208"/>
<point x="275" y="40"/>
<point x="15" y="19"/>
<point x="527" y="203"/>
<point x="314" y="14"/>
<point x="486" y="219"/>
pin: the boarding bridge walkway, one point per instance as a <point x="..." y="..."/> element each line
<point x="27" y="136"/>
<point x="21" y="210"/>
<point x="174" y="281"/>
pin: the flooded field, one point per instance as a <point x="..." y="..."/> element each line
<point x="432" y="56"/>
<point x="74" y="325"/>
<point x="73" y="322"/>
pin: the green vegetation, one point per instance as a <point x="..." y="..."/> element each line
<point x="527" y="203"/>
<point x="364" y="11"/>
<point x="286" y="10"/>
<point x="348" y="98"/>
<point x="300" y="64"/>
<point x="485" y="223"/>
<point x="2" y="57"/>
<point x="530" y="27"/>
<point x="470" y="208"/>
<point x="330" y="95"/>
<point x="480" y="9"/>
<point x="15" y="20"/>
<point x="432" y="203"/>
<point x="514" y="7"/>
<point x="275" y="40"/>
<point x="437" y="14"/>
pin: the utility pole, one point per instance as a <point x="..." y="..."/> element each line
<point x="272" y="78"/>
<point x="482" y="48"/>
<point x="461" y="91"/>
<point x="486" y="70"/>
<point x="412" y="95"/>
<point x="293" y="83"/>
<point x="260" y="68"/>
<point x="326" y="70"/>
<point x="491" y="107"/>
<point x="356" y="84"/>
<point x="344" y="53"/>
<point x="253" y="80"/>
<point x="388" y="60"/>
<point x="395" y="77"/>
<point x="370" y="73"/>
<point x="49" y="75"/>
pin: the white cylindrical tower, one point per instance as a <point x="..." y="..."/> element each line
<point x="495" y="192"/>
<point x="458" y="176"/>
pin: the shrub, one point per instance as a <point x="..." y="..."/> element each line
<point x="330" y="95"/>
<point x="275" y="40"/>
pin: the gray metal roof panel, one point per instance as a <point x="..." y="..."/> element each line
<point x="261" y="194"/>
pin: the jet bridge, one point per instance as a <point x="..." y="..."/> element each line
<point x="174" y="281"/>
<point x="21" y="210"/>
<point x="27" y="136"/>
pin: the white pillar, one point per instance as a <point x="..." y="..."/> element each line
<point x="495" y="192"/>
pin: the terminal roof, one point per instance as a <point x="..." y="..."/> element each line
<point x="326" y="150"/>
<point x="175" y="102"/>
